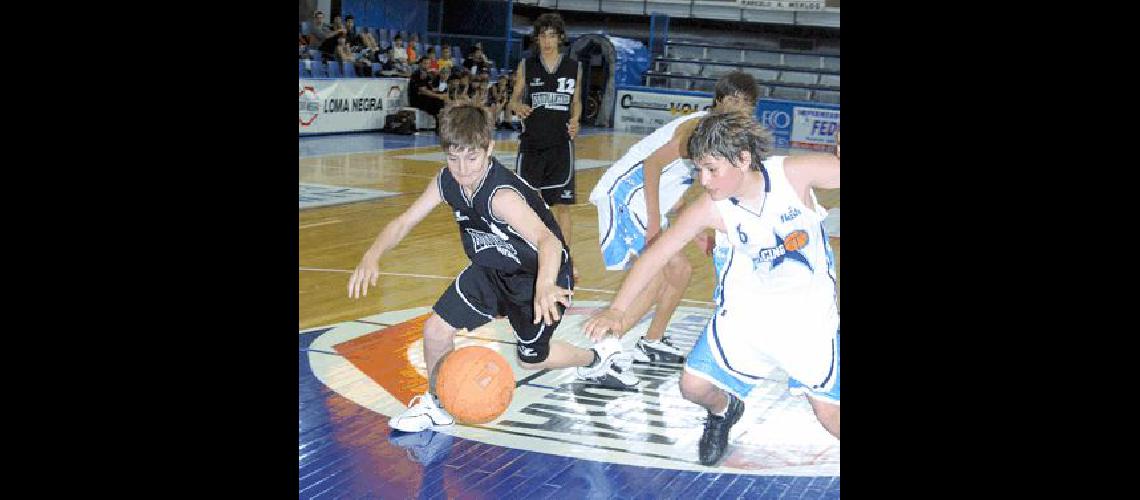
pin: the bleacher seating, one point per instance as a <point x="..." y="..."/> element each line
<point x="762" y="74"/>
<point x="798" y="77"/>
<point x="827" y="96"/>
<point x="785" y="74"/>
<point x="793" y="93"/>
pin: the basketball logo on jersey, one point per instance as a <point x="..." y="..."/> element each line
<point x="481" y="241"/>
<point x="550" y="100"/>
<point x="787" y="248"/>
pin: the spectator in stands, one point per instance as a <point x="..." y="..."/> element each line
<point x="337" y="23"/>
<point x="398" y="56"/>
<point x="445" y="60"/>
<point x="303" y="47"/>
<point x="371" y="50"/>
<point x="318" y="32"/>
<point x="497" y="100"/>
<point x="479" y="89"/>
<point x="476" y="63"/>
<point x="344" y="54"/>
<point x="325" y="37"/>
<point x="423" y="96"/>
<point x="429" y="62"/>
<point x="354" y="40"/>
<point x="483" y="55"/>
<point x="457" y="84"/>
<point x="412" y="56"/>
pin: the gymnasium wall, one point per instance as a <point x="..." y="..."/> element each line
<point x="407" y="15"/>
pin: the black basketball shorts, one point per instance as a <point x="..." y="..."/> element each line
<point x="480" y="294"/>
<point x="549" y="170"/>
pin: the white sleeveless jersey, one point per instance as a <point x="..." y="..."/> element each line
<point x="620" y="195"/>
<point x="776" y="283"/>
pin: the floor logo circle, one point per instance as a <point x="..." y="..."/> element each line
<point x="377" y="362"/>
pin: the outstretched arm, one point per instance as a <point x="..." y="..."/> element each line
<point x="368" y="271"/>
<point x="508" y="206"/>
<point x="695" y="218"/>
<point x="652" y="168"/>
<point x="517" y="106"/>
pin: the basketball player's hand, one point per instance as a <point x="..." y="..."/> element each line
<point x="366" y="273"/>
<point x="572" y="127"/>
<point x="523" y="111"/>
<point x="547" y="296"/>
<point x="608" y="321"/>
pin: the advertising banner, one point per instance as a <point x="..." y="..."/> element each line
<point x="347" y="104"/>
<point x="794" y="124"/>
<point x="642" y="112"/>
<point x="799" y="124"/>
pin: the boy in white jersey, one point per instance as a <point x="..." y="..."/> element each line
<point x="636" y="193"/>
<point x="777" y="295"/>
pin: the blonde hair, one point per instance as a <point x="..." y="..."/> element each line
<point x="726" y="134"/>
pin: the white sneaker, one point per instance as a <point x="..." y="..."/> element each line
<point x="611" y="368"/>
<point x="423" y="413"/>
<point x="647" y="351"/>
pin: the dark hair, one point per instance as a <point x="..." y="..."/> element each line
<point x="737" y="83"/>
<point x="547" y="21"/>
<point x="397" y="37"/>
<point x="726" y="134"/>
<point x="349" y="18"/>
<point x="465" y="125"/>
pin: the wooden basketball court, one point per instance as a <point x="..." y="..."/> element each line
<point x="333" y="239"/>
<point x="360" y="360"/>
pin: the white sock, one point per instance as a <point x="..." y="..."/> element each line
<point x="725" y="410"/>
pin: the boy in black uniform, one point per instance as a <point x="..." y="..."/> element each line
<point x="547" y="100"/>
<point x="519" y="268"/>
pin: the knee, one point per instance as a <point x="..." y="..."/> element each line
<point x="694" y="388"/>
<point x="531" y="356"/>
<point x="678" y="270"/>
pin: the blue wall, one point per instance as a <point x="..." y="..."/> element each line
<point x="408" y="15"/>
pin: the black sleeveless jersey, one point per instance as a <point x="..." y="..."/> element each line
<point x="550" y="95"/>
<point x="489" y="241"/>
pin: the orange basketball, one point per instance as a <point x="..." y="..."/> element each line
<point x="475" y="384"/>
<point x="796" y="240"/>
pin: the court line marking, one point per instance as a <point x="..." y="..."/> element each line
<point x="449" y="278"/>
<point x="323" y="223"/>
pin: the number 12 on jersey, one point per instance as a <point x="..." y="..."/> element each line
<point x="566" y="85"/>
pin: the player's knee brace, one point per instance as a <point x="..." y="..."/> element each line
<point x="533" y="353"/>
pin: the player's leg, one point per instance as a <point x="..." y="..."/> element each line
<point x="562" y="216"/>
<point x="674" y="280"/>
<point x="719" y="392"/>
<point x="824" y="392"/>
<point x="468" y="303"/>
<point x="827" y="413"/>
<point x="559" y="188"/>
<point x="536" y="349"/>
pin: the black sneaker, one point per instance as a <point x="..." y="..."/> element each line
<point x="715" y="439"/>
<point x="658" y="351"/>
